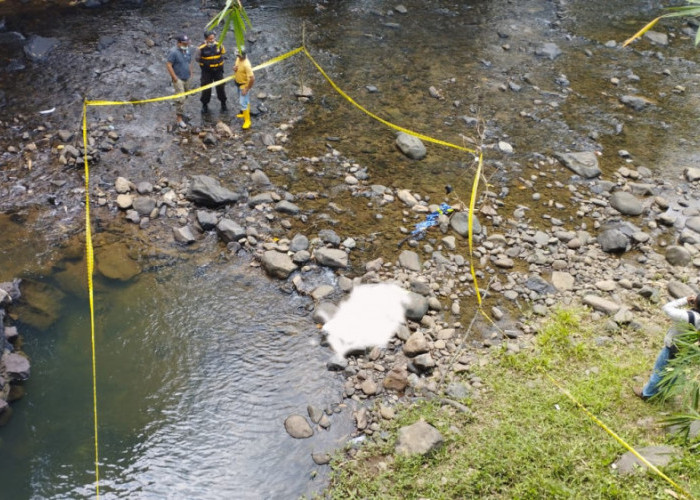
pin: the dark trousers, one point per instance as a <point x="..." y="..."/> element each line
<point x="209" y="76"/>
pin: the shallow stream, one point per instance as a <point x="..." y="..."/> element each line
<point x="201" y="359"/>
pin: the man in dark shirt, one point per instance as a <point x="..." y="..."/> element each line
<point x="179" y="66"/>
<point x="210" y="56"/>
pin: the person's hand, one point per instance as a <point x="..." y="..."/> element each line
<point x="244" y="91"/>
<point x="691" y="300"/>
<point x="174" y="79"/>
<point x="235" y="68"/>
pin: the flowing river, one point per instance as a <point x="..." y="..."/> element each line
<point x="200" y="360"/>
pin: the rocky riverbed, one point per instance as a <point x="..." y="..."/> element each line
<point x="552" y="226"/>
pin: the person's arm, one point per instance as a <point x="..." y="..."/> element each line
<point x="251" y="81"/>
<point x="169" y="65"/>
<point x="673" y="309"/>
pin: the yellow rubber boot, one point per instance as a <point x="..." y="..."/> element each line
<point x="241" y="114"/>
<point x="246" y="118"/>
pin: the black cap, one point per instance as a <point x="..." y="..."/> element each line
<point x="183" y="38"/>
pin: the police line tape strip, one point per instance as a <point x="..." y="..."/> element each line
<point x="90" y="259"/>
<point x="472" y="202"/>
<point x="617" y="438"/>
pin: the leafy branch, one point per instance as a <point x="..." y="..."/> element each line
<point x="233" y="15"/>
<point x="692" y="10"/>
<point x="681" y="377"/>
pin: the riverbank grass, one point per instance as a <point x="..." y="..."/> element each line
<point x="524" y="438"/>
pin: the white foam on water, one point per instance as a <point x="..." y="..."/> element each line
<point x="368" y="318"/>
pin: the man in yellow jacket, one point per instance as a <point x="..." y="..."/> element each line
<point x="244" y="78"/>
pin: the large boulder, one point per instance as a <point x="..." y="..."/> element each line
<point x="207" y="191"/>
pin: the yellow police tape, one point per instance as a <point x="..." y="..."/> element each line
<point x="618" y="438"/>
<point x="89" y="257"/>
<point x="472" y="202"/>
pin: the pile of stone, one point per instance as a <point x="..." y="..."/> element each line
<point x="14" y="365"/>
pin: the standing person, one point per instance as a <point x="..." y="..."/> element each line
<point x="669" y="351"/>
<point x="179" y="66"/>
<point x="210" y="56"/>
<point x="244" y="79"/>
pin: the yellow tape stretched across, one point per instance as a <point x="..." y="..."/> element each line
<point x="617" y="438"/>
<point x="381" y="120"/>
<point x="89" y="257"/>
<point x="472" y="202"/>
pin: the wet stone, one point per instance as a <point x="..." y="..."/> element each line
<point x="297" y="427"/>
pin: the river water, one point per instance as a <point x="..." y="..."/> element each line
<point x="200" y="359"/>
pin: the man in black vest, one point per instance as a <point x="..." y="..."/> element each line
<point x="210" y="56"/>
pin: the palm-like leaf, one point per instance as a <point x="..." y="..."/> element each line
<point x="686" y="10"/>
<point x="233" y="15"/>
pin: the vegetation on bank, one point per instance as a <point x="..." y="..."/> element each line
<point x="524" y="437"/>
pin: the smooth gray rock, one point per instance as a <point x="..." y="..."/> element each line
<point x="424" y="362"/>
<point x="562" y="281"/>
<point x="287" y="207"/>
<point x="613" y="241"/>
<point x="410" y="146"/>
<point x="260" y="199"/>
<point x="601" y="304"/>
<point x="408" y="259"/>
<point x="299" y="242"/>
<point x="693" y="223"/>
<point x="230" y="230"/>
<point x="143" y="205"/>
<point x="297" y="427"/>
<point x="184" y="235"/>
<point x="331" y="257"/>
<point x="626" y="203"/>
<point x="677" y="256"/>
<point x="659" y="456"/>
<point x="677" y="289"/>
<point x="16" y="365"/>
<point x="420" y="438"/>
<point x="459" y="222"/>
<point x="584" y="163"/>
<point x="259" y="178"/>
<point x="277" y="264"/>
<point x="207" y="191"/>
<point x="329" y="236"/>
<point x="206" y="219"/>
<point x="417" y="306"/>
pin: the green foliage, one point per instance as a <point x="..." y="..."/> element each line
<point x="233" y="15"/>
<point x="681" y="380"/>
<point x="692" y="10"/>
<point x="524" y="438"/>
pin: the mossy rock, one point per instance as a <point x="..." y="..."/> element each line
<point x="114" y="262"/>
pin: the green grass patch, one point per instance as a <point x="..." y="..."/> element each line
<point x="526" y="439"/>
